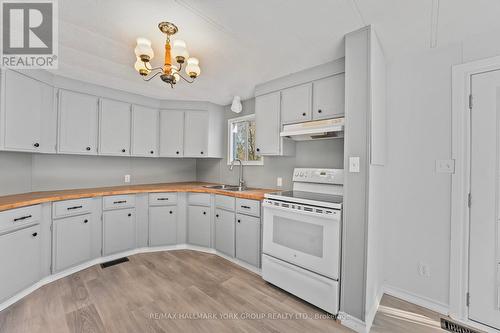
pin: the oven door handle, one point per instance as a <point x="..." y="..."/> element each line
<point x="335" y="216"/>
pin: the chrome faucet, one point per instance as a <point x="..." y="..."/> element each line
<point x="241" y="182"/>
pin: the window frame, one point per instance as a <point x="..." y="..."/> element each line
<point x="230" y="123"/>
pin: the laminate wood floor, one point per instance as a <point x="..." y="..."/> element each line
<point x="175" y="291"/>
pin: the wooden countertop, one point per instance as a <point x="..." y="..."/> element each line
<point x="34" y="198"/>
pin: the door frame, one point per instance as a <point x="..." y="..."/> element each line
<point x="460" y="185"/>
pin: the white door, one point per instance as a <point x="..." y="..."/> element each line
<point x="114" y="128"/>
<point x="144" y="131"/>
<point x="267" y="123"/>
<point x="224" y="231"/>
<point x="296" y="104"/>
<point x="72" y="241"/>
<point x="196" y="134"/>
<point x="171" y="133"/>
<point x="162" y="225"/>
<point x="78" y="116"/>
<point x="26" y="119"/>
<point x="119" y="230"/>
<point x="484" y="261"/>
<point x="328" y="97"/>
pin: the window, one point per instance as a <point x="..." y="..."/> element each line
<point x="241" y="141"/>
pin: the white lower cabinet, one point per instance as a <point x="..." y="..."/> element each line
<point x="72" y="241"/>
<point x="199" y="225"/>
<point x="162" y="225"/>
<point x="248" y="239"/>
<point x="224" y="231"/>
<point x="119" y="230"/>
<point x="20" y="255"/>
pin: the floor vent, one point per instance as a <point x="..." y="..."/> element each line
<point x="114" y="262"/>
<point x="455" y="327"/>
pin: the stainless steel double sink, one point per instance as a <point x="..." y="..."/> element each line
<point x="225" y="187"/>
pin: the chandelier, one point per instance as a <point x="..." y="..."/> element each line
<point x="169" y="73"/>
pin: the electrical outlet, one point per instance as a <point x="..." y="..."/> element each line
<point x="126" y="179"/>
<point x="354" y="164"/>
<point x="423" y="270"/>
<point x="279" y="182"/>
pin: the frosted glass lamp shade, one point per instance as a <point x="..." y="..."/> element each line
<point x="236" y="106"/>
<point x="143" y="49"/>
<point x="141" y="67"/>
<point x="179" y="51"/>
<point x="193" y="67"/>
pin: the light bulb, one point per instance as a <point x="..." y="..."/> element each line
<point x="143" y="50"/>
<point x="193" y="67"/>
<point x="179" y="51"/>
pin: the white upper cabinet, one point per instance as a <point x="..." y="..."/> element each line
<point x="268" y="126"/>
<point x="296" y="104"/>
<point x="144" y="131"/>
<point x="171" y="133"/>
<point x="114" y="128"/>
<point x="196" y="134"/>
<point x="328" y="97"/>
<point x="78" y="117"/>
<point x="28" y="115"/>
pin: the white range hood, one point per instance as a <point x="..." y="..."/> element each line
<point x="315" y="130"/>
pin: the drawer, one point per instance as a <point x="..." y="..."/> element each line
<point x="224" y="202"/>
<point x="246" y="206"/>
<point x="200" y="199"/>
<point x="118" y="201"/>
<point x="14" y="218"/>
<point x="162" y="199"/>
<point x="71" y="207"/>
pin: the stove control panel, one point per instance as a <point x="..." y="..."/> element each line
<point x="320" y="176"/>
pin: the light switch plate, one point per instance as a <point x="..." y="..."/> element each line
<point x="445" y="166"/>
<point x="354" y="164"/>
<point x="279" y="182"/>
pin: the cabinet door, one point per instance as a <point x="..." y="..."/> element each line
<point x="144" y="131"/>
<point x="29" y="123"/>
<point x="199" y="225"/>
<point x="21" y="261"/>
<point x="267" y="124"/>
<point x="162" y="225"/>
<point x="248" y="239"/>
<point x="196" y="134"/>
<point x="296" y="104"/>
<point x="118" y="231"/>
<point x="72" y="237"/>
<point x="114" y="128"/>
<point x="78" y="115"/>
<point x="328" y="97"/>
<point x="171" y="133"/>
<point x="224" y="231"/>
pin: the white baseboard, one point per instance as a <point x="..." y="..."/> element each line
<point x="422" y="301"/>
<point x="370" y="315"/>
<point x="351" y="322"/>
<point x="100" y="260"/>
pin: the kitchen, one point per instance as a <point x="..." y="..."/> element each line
<point x="203" y="188"/>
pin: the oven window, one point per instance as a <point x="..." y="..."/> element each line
<point x="300" y="236"/>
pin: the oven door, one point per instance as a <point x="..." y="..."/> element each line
<point x="310" y="240"/>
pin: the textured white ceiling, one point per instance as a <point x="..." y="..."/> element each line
<point x="241" y="43"/>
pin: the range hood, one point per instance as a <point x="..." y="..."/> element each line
<point x="315" y="130"/>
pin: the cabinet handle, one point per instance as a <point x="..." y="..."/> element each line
<point x="119" y="202"/>
<point x="152" y="152"/>
<point x="217" y="215"/>
<point x="85" y="221"/>
<point x="177" y="152"/>
<point x="304" y="114"/>
<point x="74" y="207"/>
<point x="246" y="207"/>
<point x="36" y="145"/>
<point x="162" y="199"/>
<point x="34" y="234"/>
<point x="124" y="150"/>
<point x="22" y="218"/>
<point x="204" y="213"/>
<point x="171" y="212"/>
<point x="239" y="221"/>
<point x="319" y="111"/>
<point x="202" y="153"/>
<point x="258" y="149"/>
<point x="129" y="214"/>
<point x="88" y="148"/>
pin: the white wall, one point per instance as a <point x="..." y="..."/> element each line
<point x="417" y="201"/>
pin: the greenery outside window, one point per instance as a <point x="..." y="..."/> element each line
<point x="241" y="141"/>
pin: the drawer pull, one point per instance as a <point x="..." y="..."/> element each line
<point x="74" y="207"/>
<point x="204" y="213"/>
<point x="34" y="234"/>
<point x="239" y="221"/>
<point x="162" y="199"/>
<point x="246" y="207"/>
<point x="171" y="212"/>
<point x="85" y="221"/>
<point x="129" y="214"/>
<point x="22" y="218"/>
<point x="119" y="202"/>
<point x="217" y="215"/>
